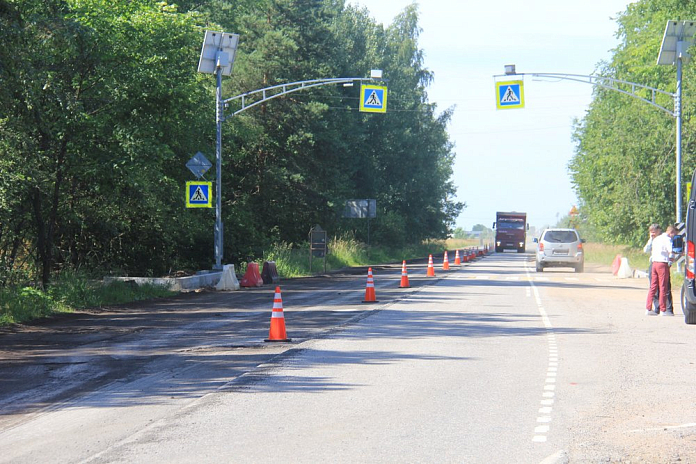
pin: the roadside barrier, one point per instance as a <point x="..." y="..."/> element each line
<point x="269" y="274"/>
<point x="370" y="296"/>
<point x="404" y="277"/>
<point x="616" y="265"/>
<point x="625" y="271"/>
<point x="277" y="332"/>
<point x="445" y="262"/>
<point x="457" y="258"/>
<point x="431" y="269"/>
<point x="228" y="279"/>
<point x="252" y="278"/>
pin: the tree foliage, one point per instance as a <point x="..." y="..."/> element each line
<point x="624" y="168"/>
<point x="101" y="106"/>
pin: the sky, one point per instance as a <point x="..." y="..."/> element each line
<point x="511" y="159"/>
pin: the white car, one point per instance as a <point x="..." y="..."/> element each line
<point x="560" y="248"/>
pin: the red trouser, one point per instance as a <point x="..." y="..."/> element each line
<point x="659" y="279"/>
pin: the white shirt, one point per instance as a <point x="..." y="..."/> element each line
<point x="661" y="249"/>
<point x="648" y="248"/>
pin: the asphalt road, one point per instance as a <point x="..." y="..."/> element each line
<point x="489" y="362"/>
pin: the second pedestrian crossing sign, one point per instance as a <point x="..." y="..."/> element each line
<point x="199" y="194"/>
<point x="373" y="99"/>
<point x="509" y="94"/>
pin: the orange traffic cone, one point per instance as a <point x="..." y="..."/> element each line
<point x="404" y="277"/>
<point x="457" y="259"/>
<point x="431" y="269"/>
<point x="370" y="296"/>
<point x="445" y="262"/>
<point x="277" y="332"/>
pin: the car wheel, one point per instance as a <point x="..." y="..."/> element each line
<point x="539" y="267"/>
<point x="688" y="309"/>
<point x="580" y="267"/>
<point x="498" y="249"/>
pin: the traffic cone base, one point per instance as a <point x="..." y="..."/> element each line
<point x="277" y="332"/>
<point x="404" y="277"/>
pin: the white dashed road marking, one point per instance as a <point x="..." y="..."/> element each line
<point x="549" y="393"/>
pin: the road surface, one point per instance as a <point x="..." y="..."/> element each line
<point x="488" y="362"/>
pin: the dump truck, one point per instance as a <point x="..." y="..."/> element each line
<point x="510" y="231"/>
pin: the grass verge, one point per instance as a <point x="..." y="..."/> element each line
<point x="70" y="291"/>
<point x="345" y="252"/>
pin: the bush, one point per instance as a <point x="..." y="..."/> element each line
<point x="20" y="305"/>
<point x="74" y="289"/>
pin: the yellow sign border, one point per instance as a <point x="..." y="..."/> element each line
<point x="497" y="95"/>
<point x="366" y="87"/>
<point x="199" y="205"/>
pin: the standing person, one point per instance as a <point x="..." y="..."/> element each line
<point x="654" y="230"/>
<point x="661" y="257"/>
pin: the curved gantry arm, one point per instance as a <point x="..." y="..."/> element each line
<point x="255" y="97"/>
<point x="625" y="87"/>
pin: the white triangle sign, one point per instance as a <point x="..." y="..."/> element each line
<point x="510" y="96"/>
<point x="373" y="99"/>
<point x="198" y="195"/>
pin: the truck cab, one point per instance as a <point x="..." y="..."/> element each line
<point x="510" y="231"/>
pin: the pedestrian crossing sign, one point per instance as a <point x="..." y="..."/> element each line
<point x="509" y="94"/>
<point x="199" y="194"/>
<point x="373" y="98"/>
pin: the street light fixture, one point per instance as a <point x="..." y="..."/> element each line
<point x="217" y="57"/>
<point x="676" y="41"/>
<point x="678" y="37"/>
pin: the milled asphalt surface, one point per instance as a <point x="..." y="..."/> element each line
<point x="68" y="355"/>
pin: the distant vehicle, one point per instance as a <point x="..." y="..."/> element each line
<point x="510" y="231"/>
<point x="688" y="291"/>
<point x="560" y="248"/>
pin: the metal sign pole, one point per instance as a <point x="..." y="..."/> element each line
<point x="218" y="167"/>
<point x="217" y="57"/>
<point x="678" y="114"/>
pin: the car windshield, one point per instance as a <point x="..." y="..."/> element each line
<point x="519" y="225"/>
<point x="561" y="236"/>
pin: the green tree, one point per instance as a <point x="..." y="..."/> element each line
<point x="101" y="106"/>
<point x="624" y="167"/>
<point x="99" y="110"/>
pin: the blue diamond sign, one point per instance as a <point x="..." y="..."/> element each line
<point x="198" y="165"/>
